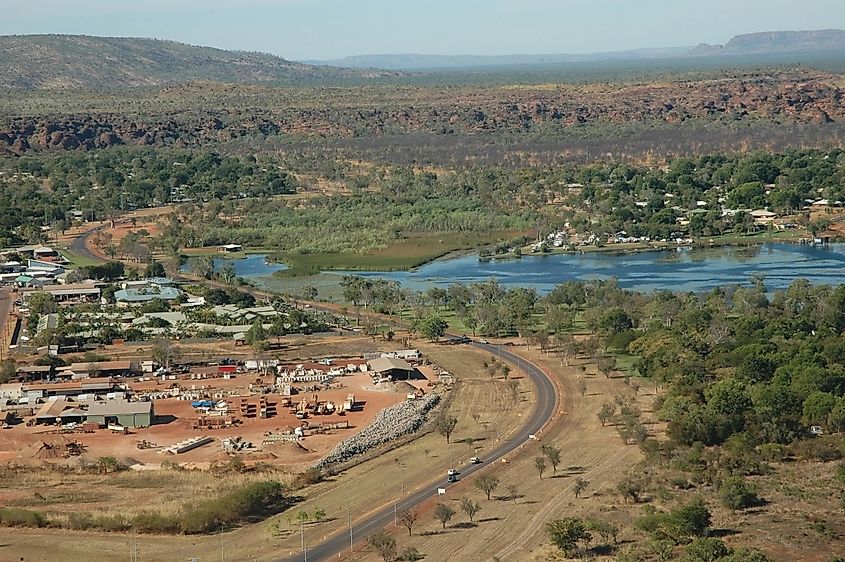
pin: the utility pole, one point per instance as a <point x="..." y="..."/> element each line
<point x="349" y="518"/>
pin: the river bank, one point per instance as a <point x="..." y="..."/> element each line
<point x="787" y="236"/>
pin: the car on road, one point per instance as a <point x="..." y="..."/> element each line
<point x="475" y="460"/>
<point x="452" y="478"/>
<point x="457" y="340"/>
<point x="484" y="342"/>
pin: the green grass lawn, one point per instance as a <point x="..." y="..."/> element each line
<point x="79" y="261"/>
<point x="408" y="253"/>
<point x="626" y="363"/>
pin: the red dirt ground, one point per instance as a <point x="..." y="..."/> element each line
<point x="18" y="441"/>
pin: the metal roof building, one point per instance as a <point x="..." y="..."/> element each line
<point x="137" y="296"/>
<point x="392" y="367"/>
<point x="127" y="414"/>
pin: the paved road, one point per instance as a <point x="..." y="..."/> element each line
<point x="543" y="412"/>
<point x="5" y="307"/>
<point x="79" y="248"/>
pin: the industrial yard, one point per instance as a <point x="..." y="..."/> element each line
<point x="290" y="417"/>
<point x="488" y="411"/>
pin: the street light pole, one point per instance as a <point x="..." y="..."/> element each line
<point x="302" y="535"/>
<point x="349" y="517"/>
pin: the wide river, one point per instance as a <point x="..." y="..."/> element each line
<point x="685" y="270"/>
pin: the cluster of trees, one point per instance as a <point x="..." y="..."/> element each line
<point x="688" y="525"/>
<point x="403" y="202"/>
<point x="486" y="308"/>
<point x="108" y="182"/>
<point x="612" y="197"/>
<point x="737" y="360"/>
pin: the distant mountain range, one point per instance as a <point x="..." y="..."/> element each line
<point x="410" y="61"/>
<point x="32" y="62"/>
<point x="774" y="42"/>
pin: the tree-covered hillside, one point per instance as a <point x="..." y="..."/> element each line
<point x="33" y="62"/>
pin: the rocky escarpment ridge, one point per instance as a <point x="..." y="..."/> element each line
<point x="770" y="42"/>
<point x="777" y="99"/>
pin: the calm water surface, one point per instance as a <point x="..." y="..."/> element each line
<point x="686" y="270"/>
<point x="250" y="267"/>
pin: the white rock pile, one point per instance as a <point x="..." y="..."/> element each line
<point x="391" y="423"/>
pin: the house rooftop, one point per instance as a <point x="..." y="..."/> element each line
<point x="34" y="369"/>
<point x="52" y="408"/>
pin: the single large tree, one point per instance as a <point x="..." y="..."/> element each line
<point x="553" y="454"/>
<point x="444" y="514"/>
<point x="580" y="486"/>
<point x="432" y="328"/>
<point x="408" y="518"/>
<point x="487" y="483"/>
<point x="470" y="508"/>
<point x="384" y="543"/>
<point x="540" y="465"/>
<point x="446" y="426"/>
<point x="567" y="533"/>
<point x="165" y="353"/>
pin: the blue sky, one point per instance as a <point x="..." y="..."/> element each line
<point x="307" y="29"/>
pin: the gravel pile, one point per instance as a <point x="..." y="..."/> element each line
<point x="391" y="423"/>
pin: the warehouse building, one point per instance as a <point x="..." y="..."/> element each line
<point x="127" y="414"/>
<point x="94" y="369"/>
<point x="391" y="368"/>
<point x="71" y="388"/>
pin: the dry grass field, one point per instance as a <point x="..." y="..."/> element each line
<point x="512" y="529"/>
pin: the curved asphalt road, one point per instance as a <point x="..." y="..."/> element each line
<point x="78" y="245"/>
<point x="545" y="409"/>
